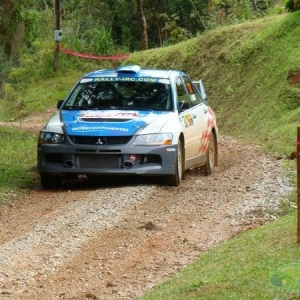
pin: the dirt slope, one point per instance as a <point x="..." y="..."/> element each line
<point x="118" y="238"/>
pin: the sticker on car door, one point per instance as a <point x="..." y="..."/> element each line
<point x="188" y="120"/>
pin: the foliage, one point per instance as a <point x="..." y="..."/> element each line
<point x="292" y="5"/>
<point x="30" y="18"/>
<point x="249" y="104"/>
<point x="84" y="27"/>
<point x="177" y="34"/>
<point x="92" y="41"/>
<point x="12" y="32"/>
<point x="118" y="20"/>
<point x="106" y="27"/>
<point x="17" y="163"/>
<point x="5" y="67"/>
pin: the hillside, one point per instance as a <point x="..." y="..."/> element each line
<point x="252" y="76"/>
<point x="251" y="72"/>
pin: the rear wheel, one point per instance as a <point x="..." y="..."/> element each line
<point x="211" y="157"/>
<point x="50" y="181"/>
<point x="176" y="178"/>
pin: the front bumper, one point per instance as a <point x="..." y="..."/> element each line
<point x="70" y="160"/>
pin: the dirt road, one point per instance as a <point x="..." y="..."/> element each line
<point x="118" y="238"/>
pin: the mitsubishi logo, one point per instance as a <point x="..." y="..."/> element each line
<point x="101" y="141"/>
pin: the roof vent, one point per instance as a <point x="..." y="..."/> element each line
<point x="133" y="69"/>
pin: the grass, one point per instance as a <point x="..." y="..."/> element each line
<point x="36" y="97"/>
<point x="252" y="77"/>
<point x="239" y="268"/>
<point x="17" y="162"/>
<point x="246" y="69"/>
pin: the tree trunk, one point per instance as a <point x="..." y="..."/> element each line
<point x="12" y="27"/>
<point x="144" y="34"/>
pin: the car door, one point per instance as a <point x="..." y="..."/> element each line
<point x="193" y="116"/>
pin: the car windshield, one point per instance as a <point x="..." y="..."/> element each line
<point x="120" y="95"/>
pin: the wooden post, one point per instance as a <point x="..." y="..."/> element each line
<point x="57" y="27"/>
<point x="298" y="184"/>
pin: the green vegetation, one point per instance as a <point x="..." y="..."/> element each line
<point x="252" y="77"/>
<point x="237" y="269"/>
<point x="251" y="72"/>
<point x="17" y="162"/>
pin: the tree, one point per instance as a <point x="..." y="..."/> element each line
<point x="17" y="23"/>
<point x="144" y="34"/>
<point x="12" y="32"/>
<point x="292" y="5"/>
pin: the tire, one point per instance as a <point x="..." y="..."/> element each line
<point x="50" y="181"/>
<point x="211" y="157"/>
<point x="176" y="178"/>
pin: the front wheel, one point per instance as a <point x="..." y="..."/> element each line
<point x="176" y="178"/>
<point x="211" y="157"/>
<point x="50" y="181"/>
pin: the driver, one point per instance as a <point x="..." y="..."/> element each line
<point x="159" y="98"/>
<point x="107" y="96"/>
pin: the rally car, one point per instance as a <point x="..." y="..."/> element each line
<point x="129" y="121"/>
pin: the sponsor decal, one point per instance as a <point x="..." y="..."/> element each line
<point x="108" y="115"/>
<point x="193" y="97"/>
<point x="190" y="88"/>
<point x="106" y="123"/>
<point x="188" y="120"/>
<point x="100" y="128"/>
<point x="126" y="79"/>
<point x="204" y="140"/>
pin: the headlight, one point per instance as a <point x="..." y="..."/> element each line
<point x="51" y="138"/>
<point x="154" y="139"/>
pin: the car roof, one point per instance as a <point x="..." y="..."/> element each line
<point x="134" y="71"/>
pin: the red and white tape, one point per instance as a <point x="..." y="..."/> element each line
<point x="90" y="56"/>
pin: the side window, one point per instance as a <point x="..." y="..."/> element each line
<point x="194" y="95"/>
<point x="183" y="100"/>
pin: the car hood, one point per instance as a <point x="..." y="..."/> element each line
<point x="114" y="122"/>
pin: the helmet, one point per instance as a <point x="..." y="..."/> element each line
<point x="107" y="93"/>
<point x="160" y="96"/>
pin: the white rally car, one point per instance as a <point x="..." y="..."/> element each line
<point x="129" y="121"/>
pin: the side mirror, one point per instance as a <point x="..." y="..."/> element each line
<point x="59" y="103"/>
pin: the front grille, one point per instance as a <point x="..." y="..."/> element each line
<point x="100" y="140"/>
<point x="53" y="158"/>
<point x="99" y="161"/>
